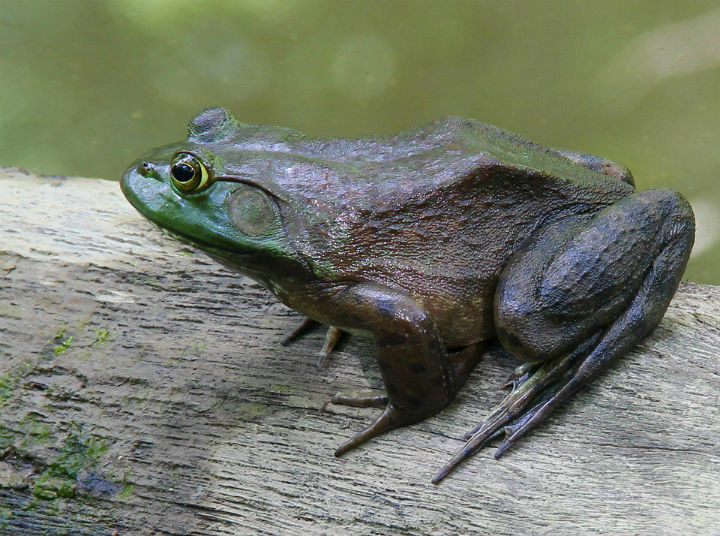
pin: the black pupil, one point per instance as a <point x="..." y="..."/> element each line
<point x="183" y="172"/>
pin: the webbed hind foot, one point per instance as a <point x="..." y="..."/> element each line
<point x="515" y="416"/>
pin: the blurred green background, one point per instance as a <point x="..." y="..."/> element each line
<point x="85" y="86"/>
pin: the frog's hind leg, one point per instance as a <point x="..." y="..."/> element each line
<point x="583" y="294"/>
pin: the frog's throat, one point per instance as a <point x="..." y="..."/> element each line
<point x="213" y="250"/>
<point x="248" y="263"/>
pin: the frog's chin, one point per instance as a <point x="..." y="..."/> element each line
<point x="213" y="251"/>
<point x="232" y="260"/>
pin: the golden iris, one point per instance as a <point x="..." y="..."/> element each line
<point x="188" y="173"/>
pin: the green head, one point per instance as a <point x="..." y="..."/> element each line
<point x="197" y="191"/>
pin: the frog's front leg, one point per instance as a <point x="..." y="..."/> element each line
<point x="420" y="379"/>
<point x="579" y="295"/>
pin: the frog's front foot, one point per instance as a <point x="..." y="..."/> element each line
<point x="390" y="417"/>
<point x="407" y="408"/>
<point x="332" y="337"/>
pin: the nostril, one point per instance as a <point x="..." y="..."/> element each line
<point x="145" y="169"/>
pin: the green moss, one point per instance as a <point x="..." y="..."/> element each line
<point x="127" y="475"/>
<point x="126" y="491"/>
<point x="35" y="430"/>
<point x="80" y="451"/>
<point x="48" y="487"/>
<point x="5" y="514"/>
<point x="7" y="384"/>
<point x="40" y="432"/>
<point x="64" y="342"/>
<point x="101" y="335"/>
<point x="63" y="346"/>
<point x="282" y="389"/>
<point x="251" y="411"/>
<point x="8" y="381"/>
<point x="8" y="310"/>
<point x="7" y="438"/>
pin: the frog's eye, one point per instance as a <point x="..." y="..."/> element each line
<point x="188" y="173"/>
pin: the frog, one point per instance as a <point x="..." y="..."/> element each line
<point x="436" y="243"/>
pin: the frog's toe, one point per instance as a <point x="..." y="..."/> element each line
<point x="392" y="417"/>
<point x="520" y="375"/>
<point x="362" y="399"/>
<point x="308" y="324"/>
<point x="383" y="424"/>
<point x="332" y="337"/>
<point x="512" y="429"/>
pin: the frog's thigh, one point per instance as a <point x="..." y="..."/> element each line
<point x="581" y="274"/>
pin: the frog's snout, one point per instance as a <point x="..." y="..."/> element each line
<point x="134" y="179"/>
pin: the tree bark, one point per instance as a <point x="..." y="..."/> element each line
<point x="143" y="391"/>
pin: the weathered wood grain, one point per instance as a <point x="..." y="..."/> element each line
<point x="174" y="410"/>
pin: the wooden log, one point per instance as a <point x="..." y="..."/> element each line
<point x="144" y="391"/>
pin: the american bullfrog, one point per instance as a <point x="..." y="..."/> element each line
<point x="432" y="242"/>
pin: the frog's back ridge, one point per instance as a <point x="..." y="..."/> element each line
<point x="449" y="134"/>
<point x="449" y="150"/>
